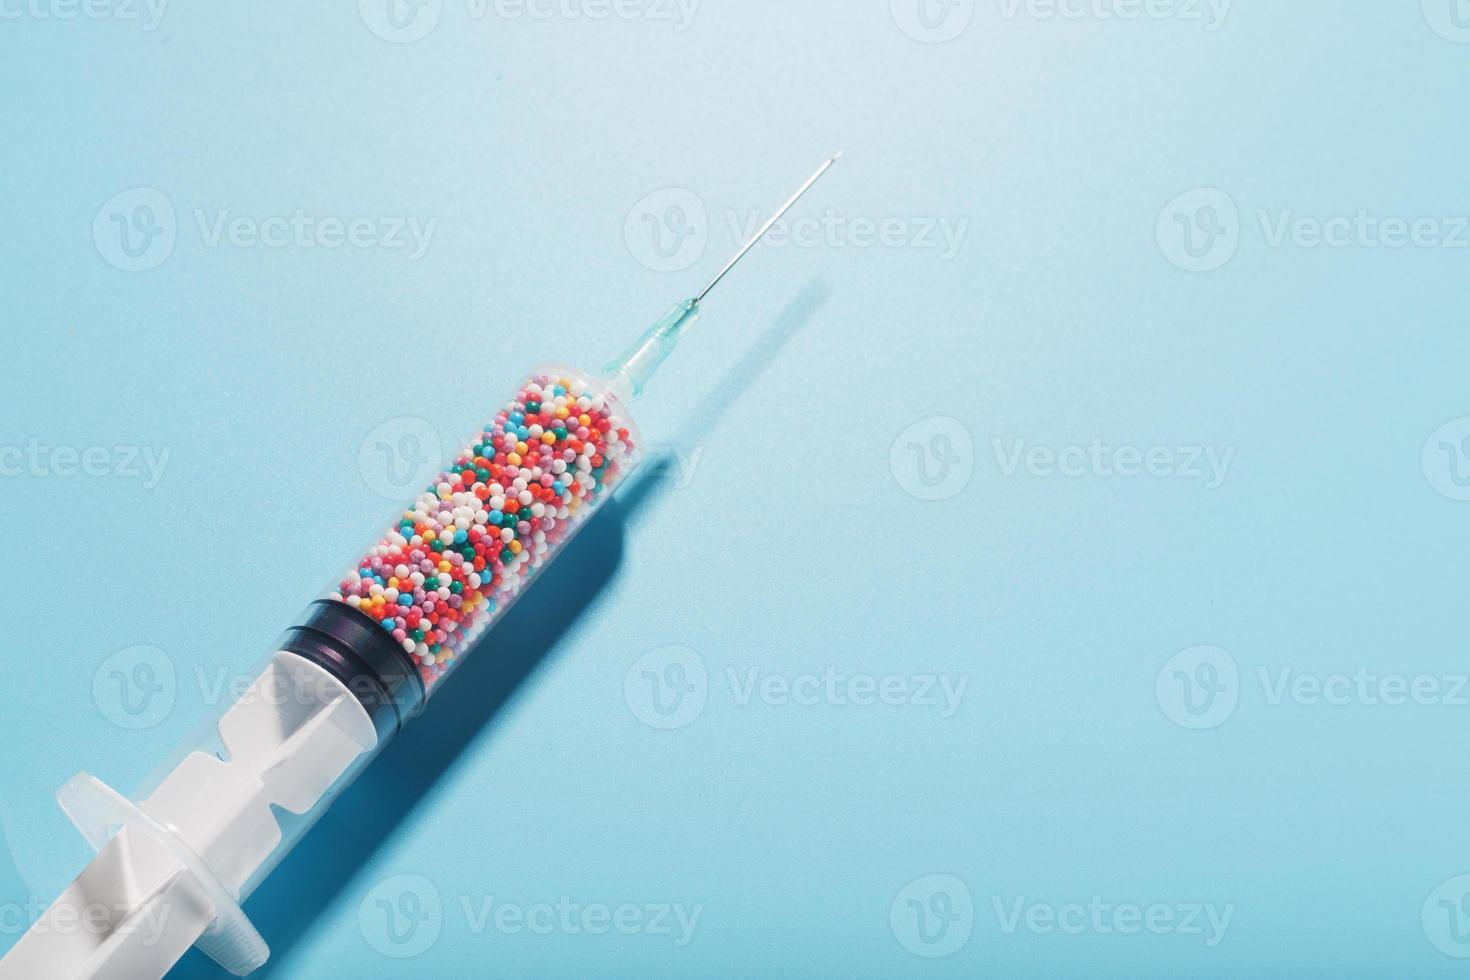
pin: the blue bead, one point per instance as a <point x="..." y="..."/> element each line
<point x="496" y="517"/>
<point x="405" y="599"/>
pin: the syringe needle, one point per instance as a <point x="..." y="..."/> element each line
<point x="627" y="375"/>
<point x="767" y="226"/>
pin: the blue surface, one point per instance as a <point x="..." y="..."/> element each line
<point x="871" y="428"/>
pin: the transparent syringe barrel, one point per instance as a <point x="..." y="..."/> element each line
<point x="453" y="562"/>
<point x="233" y="801"/>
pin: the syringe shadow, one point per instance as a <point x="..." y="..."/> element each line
<point x="335" y="851"/>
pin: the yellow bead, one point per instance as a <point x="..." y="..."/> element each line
<point x="514" y="459"/>
<point x="515" y="547"/>
<point x="521" y="448"/>
<point x="562" y="412"/>
<point x="444" y="566"/>
<point x="549" y="438"/>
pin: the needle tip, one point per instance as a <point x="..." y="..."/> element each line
<point x="837" y="156"/>
<point x="763" y="229"/>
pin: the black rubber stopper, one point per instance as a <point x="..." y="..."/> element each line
<point x="365" y="658"/>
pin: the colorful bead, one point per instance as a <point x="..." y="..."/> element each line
<point x="491" y="520"/>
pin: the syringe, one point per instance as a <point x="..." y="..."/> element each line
<point x="175" y="863"/>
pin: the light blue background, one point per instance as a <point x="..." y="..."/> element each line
<point x="790" y="542"/>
